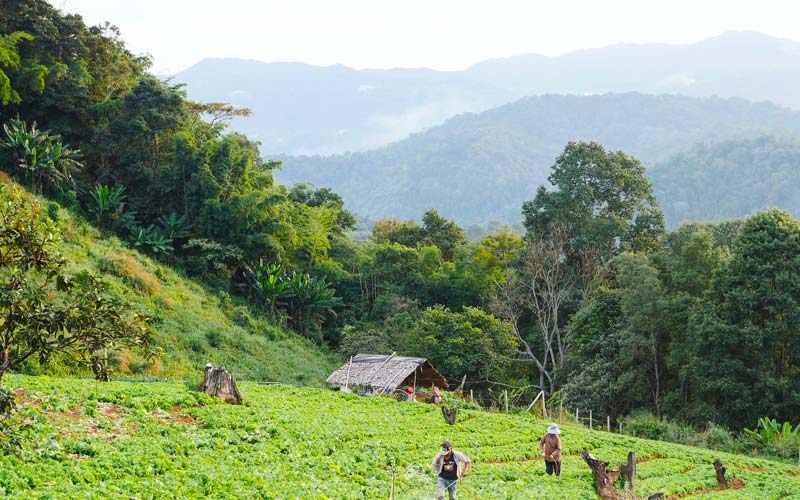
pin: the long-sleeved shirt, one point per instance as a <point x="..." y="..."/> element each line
<point x="461" y="460"/>
<point x="552" y="447"/>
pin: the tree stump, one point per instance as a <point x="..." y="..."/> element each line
<point x="721" y="481"/>
<point x="218" y="383"/>
<point x="604" y="478"/>
<point x="627" y="472"/>
<point x="450" y="414"/>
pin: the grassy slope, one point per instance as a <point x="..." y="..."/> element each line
<point x="287" y="442"/>
<point x="194" y="326"/>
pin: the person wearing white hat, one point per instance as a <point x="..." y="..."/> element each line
<point x="550" y="447"/>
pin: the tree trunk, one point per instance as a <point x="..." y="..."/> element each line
<point x="450" y="414"/>
<point x="627" y="472"/>
<point x="604" y="478"/>
<point x="721" y="481"/>
<point x="5" y="363"/>
<point x="219" y="383"/>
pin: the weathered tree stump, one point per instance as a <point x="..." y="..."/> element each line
<point x="604" y="478"/>
<point x="627" y="472"/>
<point x="450" y="414"/>
<point x="218" y="383"/>
<point x="721" y="481"/>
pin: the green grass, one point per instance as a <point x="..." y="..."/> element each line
<point x="194" y="326"/>
<point x="162" y="440"/>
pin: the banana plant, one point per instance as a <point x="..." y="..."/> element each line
<point x="41" y="158"/>
<point x="770" y="431"/>
<point x="150" y="239"/>
<point x="310" y="299"/>
<point x="270" y="285"/>
<point x="174" y="227"/>
<point x="108" y="207"/>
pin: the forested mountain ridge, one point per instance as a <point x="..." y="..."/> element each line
<point x="480" y="167"/>
<point x="304" y="109"/>
<point x="729" y="179"/>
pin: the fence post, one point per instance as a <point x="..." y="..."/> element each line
<point x="471" y="398"/>
<point x="505" y="393"/>
<point x="591" y="423"/>
<point x="620" y="426"/>
<point x="608" y="422"/>
<point x="578" y="420"/>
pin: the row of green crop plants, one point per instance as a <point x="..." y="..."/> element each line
<point x="163" y="440"/>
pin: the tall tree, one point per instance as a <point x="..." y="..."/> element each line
<point x="38" y="322"/>
<point x="603" y="198"/>
<point x="745" y="342"/>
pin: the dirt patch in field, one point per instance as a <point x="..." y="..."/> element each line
<point x="109" y="410"/>
<point x="749" y="468"/>
<point x="733" y="484"/>
<point x="654" y="456"/>
<point x="185" y="419"/>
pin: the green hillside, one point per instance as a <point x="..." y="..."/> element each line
<point x="159" y="440"/>
<point x="729" y="179"/>
<point x="193" y="325"/>
<point x="481" y="167"/>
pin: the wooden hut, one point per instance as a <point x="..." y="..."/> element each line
<point x="379" y="373"/>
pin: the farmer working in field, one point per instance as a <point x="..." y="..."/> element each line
<point x="550" y="447"/>
<point x="450" y="465"/>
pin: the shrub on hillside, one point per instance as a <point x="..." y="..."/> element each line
<point x="131" y="272"/>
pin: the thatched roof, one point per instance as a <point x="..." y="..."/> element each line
<point x="381" y="371"/>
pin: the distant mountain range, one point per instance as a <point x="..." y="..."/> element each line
<point x="481" y="167"/>
<point x="729" y="179"/>
<point x="304" y="109"/>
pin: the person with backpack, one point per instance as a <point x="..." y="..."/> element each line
<point x="550" y="447"/>
<point x="450" y="466"/>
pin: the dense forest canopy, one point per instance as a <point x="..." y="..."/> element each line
<point x="729" y="179"/>
<point x="593" y="303"/>
<point x="481" y="167"/>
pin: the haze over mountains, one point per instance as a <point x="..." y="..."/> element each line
<point x="481" y="167"/>
<point x="304" y="109"/>
<point x="471" y="145"/>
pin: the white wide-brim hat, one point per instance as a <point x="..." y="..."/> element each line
<point x="553" y="429"/>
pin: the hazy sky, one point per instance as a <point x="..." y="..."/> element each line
<point x="442" y="34"/>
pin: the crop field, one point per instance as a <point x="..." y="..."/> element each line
<point x="163" y="440"/>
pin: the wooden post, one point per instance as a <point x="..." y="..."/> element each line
<point x="627" y="472"/>
<point x="608" y="423"/>
<point x="561" y="411"/>
<point x="620" y="426"/>
<point x="544" y="407"/>
<point x="505" y="393"/>
<point x="415" y="385"/>
<point x="347" y="382"/>
<point x="591" y="422"/>
<point x="471" y="397"/>
<point x="394" y="473"/>
<point x="578" y="420"/>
